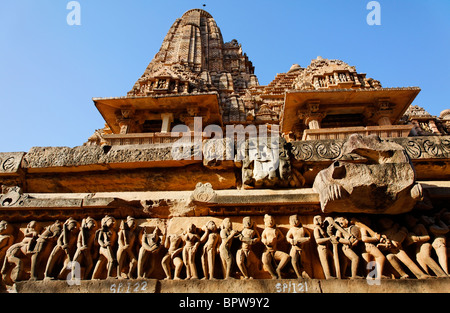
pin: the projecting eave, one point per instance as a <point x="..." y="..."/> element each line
<point x="141" y="107"/>
<point x="347" y="101"/>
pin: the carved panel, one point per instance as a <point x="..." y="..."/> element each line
<point x="10" y="162"/>
<point x="434" y="147"/>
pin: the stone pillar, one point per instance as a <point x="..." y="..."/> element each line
<point x="384" y="120"/>
<point x="313" y="123"/>
<point x="125" y="120"/>
<point x="167" y="119"/>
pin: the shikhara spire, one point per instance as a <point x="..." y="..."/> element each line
<point x="193" y="58"/>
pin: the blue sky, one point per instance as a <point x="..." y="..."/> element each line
<point x="50" y="71"/>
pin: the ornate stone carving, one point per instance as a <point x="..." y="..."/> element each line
<point x="270" y="237"/>
<point x="150" y="245"/>
<point x="127" y="242"/>
<point x="343" y="246"/>
<point x="395" y="253"/>
<point x="210" y="239"/>
<point x="174" y="244"/>
<point x="297" y="236"/>
<point x="191" y="242"/>
<point x="420" y="238"/>
<point x="245" y="257"/>
<point x="6" y="239"/>
<point x="348" y="236"/>
<point x="10" y="162"/>
<point x="332" y="74"/>
<point x="86" y="245"/>
<point x="266" y="163"/>
<point x="64" y="250"/>
<point x="227" y="233"/>
<point x="203" y="193"/>
<point x="386" y="184"/>
<point x="106" y="238"/>
<point x="18" y="253"/>
<point x="322" y="239"/>
<point x="12" y="196"/>
<point x="421" y="147"/>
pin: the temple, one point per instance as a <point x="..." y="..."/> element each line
<point x="322" y="175"/>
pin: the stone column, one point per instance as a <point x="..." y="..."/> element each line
<point x="384" y="120"/>
<point x="167" y="119"/>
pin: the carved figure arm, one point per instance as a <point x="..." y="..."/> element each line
<point x="264" y="238"/>
<point x="226" y="239"/>
<point x="420" y="234"/>
<point x="367" y="238"/>
<point x="256" y="237"/>
<point x="318" y="237"/>
<point x="101" y="240"/>
<point x="204" y="236"/>
<point x="290" y="237"/>
<point x="280" y="235"/>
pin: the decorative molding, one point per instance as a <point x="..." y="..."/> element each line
<point x="10" y="162"/>
<point x="426" y="147"/>
<point x="203" y="193"/>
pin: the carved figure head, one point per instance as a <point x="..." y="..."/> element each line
<point x="90" y="223"/>
<point x="317" y="220"/>
<point x="247" y="222"/>
<point x="269" y="221"/>
<point x="192" y="229"/>
<point x="108" y="221"/>
<point x="5" y="228"/>
<point x="294" y="220"/>
<point x="55" y="228"/>
<point x="31" y="225"/>
<point x="226" y="224"/>
<point x="70" y="223"/>
<point x="211" y="226"/>
<point x="342" y="221"/>
<point x="131" y="222"/>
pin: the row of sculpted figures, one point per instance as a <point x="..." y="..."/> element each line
<point x="340" y="247"/>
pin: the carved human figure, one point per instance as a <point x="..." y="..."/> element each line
<point x="331" y="230"/>
<point x="210" y="238"/>
<point x="6" y="239"/>
<point x="192" y="241"/>
<point x="44" y="244"/>
<point x="322" y="239"/>
<point x="396" y="254"/>
<point x="371" y="239"/>
<point x="270" y="237"/>
<point x="150" y="245"/>
<point x="226" y="234"/>
<point x="127" y="240"/>
<point x="348" y="241"/>
<point x="297" y="237"/>
<point x="248" y="237"/>
<point x="262" y="155"/>
<point x="439" y="229"/>
<point x="85" y="245"/>
<point x="64" y="249"/>
<point x="19" y="251"/>
<point x="172" y="259"/>
<point x="421" y="239"/>
<point x="106" y="238"/>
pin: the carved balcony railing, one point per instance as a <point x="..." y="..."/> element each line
<point x="142" y="138"/>
<point x="388" y="131"/>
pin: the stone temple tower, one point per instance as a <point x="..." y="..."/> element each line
<point x="350" y="168"/>
<point x="193" y="58"/>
